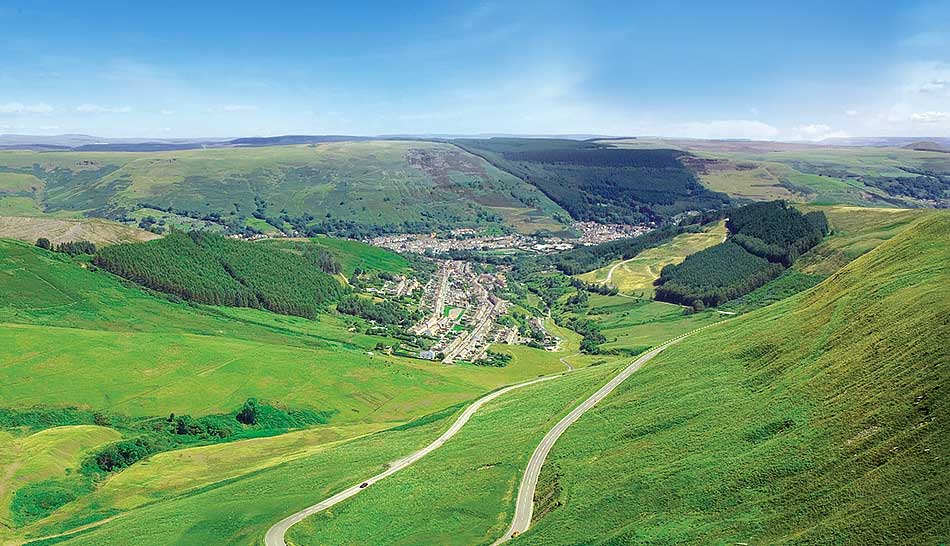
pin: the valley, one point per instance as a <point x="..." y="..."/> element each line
<point x="201" y="376"/>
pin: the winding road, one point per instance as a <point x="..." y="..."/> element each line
<point x="275" y="535"/>
<point x="525" y="503"/>
<point x="524" y="507"/>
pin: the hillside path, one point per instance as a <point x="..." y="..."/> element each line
<point x="275" y="535"/>
<point x="524" y="507"/>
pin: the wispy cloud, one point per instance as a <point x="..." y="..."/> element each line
<point x="166" y="112"/>
<point x="21" y="108"/>
<point x="97" y="109"/>
<point x="818" y="131"/>
<point x="932" y="116"/>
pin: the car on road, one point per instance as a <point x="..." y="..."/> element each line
<point x="364" y="485"/>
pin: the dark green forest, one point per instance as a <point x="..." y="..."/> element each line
<point x="596" y="182"/>
<point x="764" y="239"/>
<point x="211" y="269"/>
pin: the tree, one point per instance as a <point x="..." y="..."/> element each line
<point x="44" y="243"/>
<point x="248" y="413"/>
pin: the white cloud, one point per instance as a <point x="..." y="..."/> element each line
<point x="49" y="127"/>
<point x="20" y="108"/>
<point x="818" y="131"/>
<point x="851" y="113"/>
<point x="96" y="109"/>
<point x="167" y="112"/>
<point x="932" y="116"/>
<point x="728" y="128"/>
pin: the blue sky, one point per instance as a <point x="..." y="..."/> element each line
<point x="799" y="70"/>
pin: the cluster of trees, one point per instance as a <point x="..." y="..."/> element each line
<point x="765" y="238"/>
<point x="714" y="276"/>
<point x="215" y="270"/>
<point x="927" y="186"/>
<point x="254" y="418"/>
<point x="494" y="360"/>
<point x="601" y="183"/>
<point x="590" y="330"/>
<point x="775" y="231"/>
<point x="73" y="248"/>
<point x="588" y="258"/>
<point x="323" y="260"/>
<point x="383" y="312"/>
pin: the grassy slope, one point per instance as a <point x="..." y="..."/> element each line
<point x="817" y="420"/>
<point x="370" y="182"/>
<point x="48" y="454"/>
<point x="637" y="274"/>
<point x="58" y="230"/>
<point x="352" y="254"/>
<point x="463" y="493"/>
<point x="93" y="340"/>
<point x="855" y="231"/>
<point x="186" y="471"/>
<point x="820" y="175"/>
<point x="239" y="511"/>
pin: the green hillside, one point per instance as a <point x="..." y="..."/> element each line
<point x="820" y="419"/>
<point x="349" y="187"/>
<point x="94" y="341"/>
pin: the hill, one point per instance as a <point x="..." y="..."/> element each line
<point x="819" y="419"/>
<point x="353" y="187"/>
<point x="600" y="182"/>
<point x="925" y="146"/>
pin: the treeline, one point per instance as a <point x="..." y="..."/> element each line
<point x="73" y="248"/>
<point x="383" y="312"/>
<point x="588" y="258"/>
<point x="215" y="270"/>
<point x="254" y="418"/>
<point x="714" y="275"/>
<point x="765" y="238"/>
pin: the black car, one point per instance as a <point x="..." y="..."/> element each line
<point x="364" y="484"/>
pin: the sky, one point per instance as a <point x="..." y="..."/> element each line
<point x="803" y="70"/>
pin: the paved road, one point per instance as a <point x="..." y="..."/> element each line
<point x="275" y="535"/>
<point x="524" y="508"/>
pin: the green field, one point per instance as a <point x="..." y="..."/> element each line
<point x="636" y="275"/>
<point x="854" y="231"/>
<point x="816" y="420"/>
<point x="369" y="184"/>
<point x="50" y="454"/>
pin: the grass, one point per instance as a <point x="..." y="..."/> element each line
<point x="58" y="230"/>
<point x="464" y="492"/>
<point x="352" y="254"/>
<point x="50" y="454"/>
<point x="855" y="231"/>
<point x="816" y="420"/>
<point x="238" y="511"/>
<point x="176" y="473"/>
<point x="95" y="341"/>
<point x="370" y="183"/>
<point x="636" y="275"/>
<point x="633" y="325"/>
